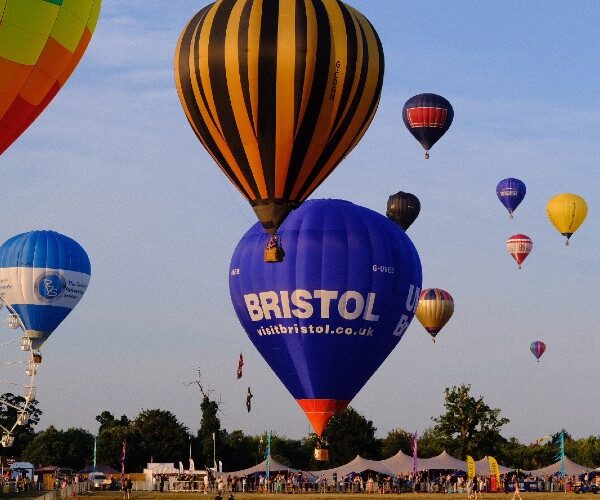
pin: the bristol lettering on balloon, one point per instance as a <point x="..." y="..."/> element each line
<point x="350" y="305"/>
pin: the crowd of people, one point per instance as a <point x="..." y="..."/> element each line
<point x="372" y="482"/>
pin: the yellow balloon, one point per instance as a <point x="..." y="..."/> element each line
<point x="435" y="308"/>
<point x="567" y="212"/>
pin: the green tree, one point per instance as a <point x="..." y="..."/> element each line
<point x="107" y="419"/>
<point x="349" y="434"/>
<point x="209" y="425"/>
<point x="162" y="437"/>
<point x="397" y="440"/>
<point x="430" y="443"/>
<point x="46" y="448"/>
<point x="77" y="447"/>
<point x="469" y="426"/>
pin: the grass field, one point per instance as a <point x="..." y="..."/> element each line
<point x="152" y="495"/>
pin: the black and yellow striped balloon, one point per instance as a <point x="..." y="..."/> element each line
<point x="279" y="92"/>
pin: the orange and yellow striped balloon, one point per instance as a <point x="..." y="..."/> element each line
<point x="278" y="92"/>
<point x="435" y="309"/>
<point x="41" y="43"/>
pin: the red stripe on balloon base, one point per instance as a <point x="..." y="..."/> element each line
<point x="320" y="411"/>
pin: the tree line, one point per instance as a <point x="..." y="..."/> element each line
<point x="467" y="427"/>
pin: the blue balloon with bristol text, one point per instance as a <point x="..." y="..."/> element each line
<point x="328" y="316"/>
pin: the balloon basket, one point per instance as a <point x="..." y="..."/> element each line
<point x="427" y="155"/>
<point x="274" y="254"/>
<point x="566" y="242"/>
<point x="321" y="454"/>
<point x="273" y="250"/>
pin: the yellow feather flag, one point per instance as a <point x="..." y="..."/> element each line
<point x="494" y="470"/>
<point x="471" y="470"/>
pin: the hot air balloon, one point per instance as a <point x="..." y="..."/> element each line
<point x="403" y="208"/>
<point x="511" y="192"/>
<point x="427" y="117"/>
<point x="41" y="43"/>
<point x="330" y="314"/>
<point x="435" y="308"/>
<point x="519" y="246"/>
<point x="278" y="93"/>
<point x="537" y="348"/>
<point x="44" y="275"/>
<point x="567" y="212"/>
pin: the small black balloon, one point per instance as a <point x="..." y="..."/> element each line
<point x="403" y="208"/>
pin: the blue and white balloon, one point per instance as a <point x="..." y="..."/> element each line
<point x="43" y="275"/>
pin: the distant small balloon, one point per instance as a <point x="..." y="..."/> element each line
<point x="436" y="307"/>
<point x="427" y="117"/>
<point x="537" y="348"/>
<point x="403" y="208"/>
<point x="519" y="246"/>
<point x="511" y="192"/>
<point x="567" y="212"/>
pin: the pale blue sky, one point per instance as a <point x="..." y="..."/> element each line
<point x="113" y="163"/>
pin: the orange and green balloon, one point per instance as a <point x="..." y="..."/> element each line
<point x="41" y="43"/>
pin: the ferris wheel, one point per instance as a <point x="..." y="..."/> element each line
<point x="19" y="364"/>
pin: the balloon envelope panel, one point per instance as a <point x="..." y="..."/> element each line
<point x="43" y="275"/>
<point x="328" y="316"/>
<point x="41" y="43"/>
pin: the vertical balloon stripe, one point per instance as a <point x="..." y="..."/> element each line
<point x="239" y="106"/>
<point x="253" y="42"/>
<point x="286" y="92"/>
<point x="267" y="93"/>
<point x="309" y="62"/>
<point x="243" y="63"/>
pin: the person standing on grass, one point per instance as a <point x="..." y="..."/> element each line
<point x="516" y="493"/>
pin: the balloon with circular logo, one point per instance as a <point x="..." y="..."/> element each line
<point x="41" y="43"/>
<point x="510" y="192"/>
<point x="537" y="348"/>
<point x="43" y="274"/>
<point x="279" y="93"/>
<point x="427" y="117"/>
<point x="403" y="208"/>
<point x="519" y="246"/>
<point x="330" y="314"/>
<point x="435" y="309"/>
<point x="567" y="212"/>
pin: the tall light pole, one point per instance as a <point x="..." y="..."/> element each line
<point x="214" y="452"/>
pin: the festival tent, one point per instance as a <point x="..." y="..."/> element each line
<point x="443" y="461"/>
<point x="483" y="467"/>
<point x="356" y="466"/>
<point x="572" y="468"/>
<point x="274" y="466"/>
<point x="400" y="463"/>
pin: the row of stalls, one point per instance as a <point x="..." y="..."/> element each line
<point x="401" y="465"/>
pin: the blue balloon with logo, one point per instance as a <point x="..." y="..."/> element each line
<point x="511" y="192"/>
<point x="43" y="275"/>
<point x="327" y="317"/>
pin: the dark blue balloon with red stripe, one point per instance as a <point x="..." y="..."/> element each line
<point x="510" y="192"/>
<point x="326" y="317"/>
<point x="427" y="117"/>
